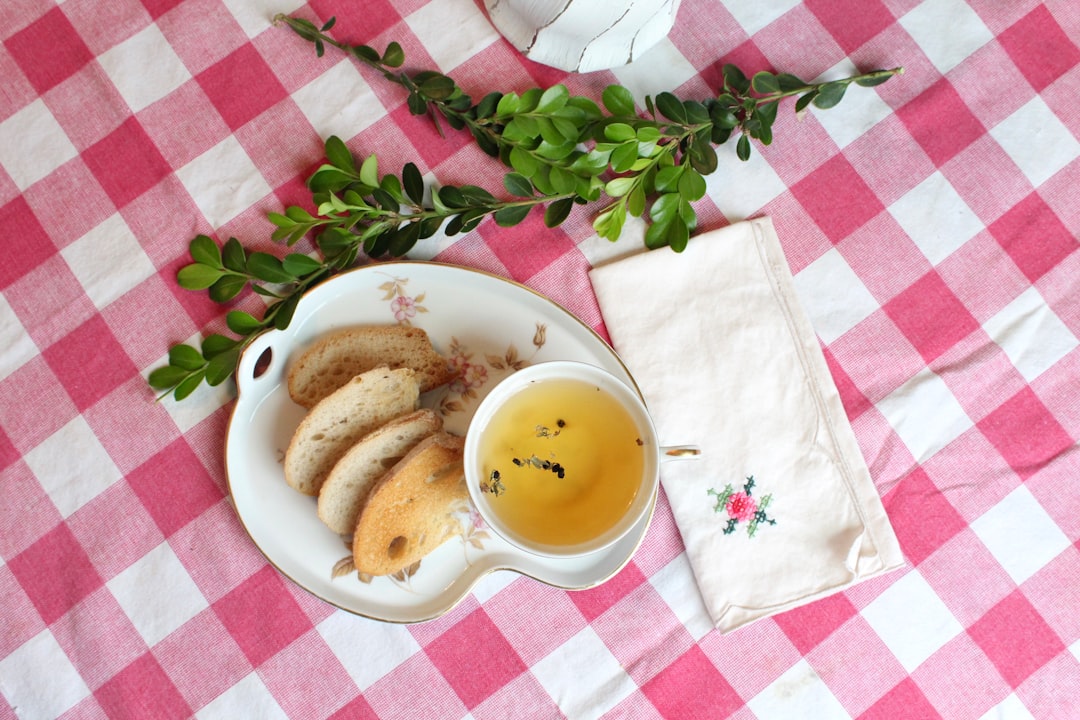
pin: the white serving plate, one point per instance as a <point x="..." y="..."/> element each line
<point x="487" y="324"/>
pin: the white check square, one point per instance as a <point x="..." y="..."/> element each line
<point x="223" y="181"/>
<point x="1037" y="141"/>
<point x="144" y="68"/>
<point x="157" y="593"/>
<point x="834" y="297"/>
<point x="339" y="102"/>
<point x="912" y="620"/>
<point x="584" y="677"/>
<point x="799" y="692"/>
<point x="452" y="31"/>
<point x="108" y="261"/>
<point x="936" y="218"/>
<point x="1031" y="334"/>
<point x="32" y="144"/>
<point x="27" y="684"/>
<point x="925" y="414"/>
<point x="72" y="466"/>
<point x="948" y="31"/>
<point x="1020" y="534"/>
<point x="369" y="650"/>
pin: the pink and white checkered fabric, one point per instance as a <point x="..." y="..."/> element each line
<point x="932" y="232"/>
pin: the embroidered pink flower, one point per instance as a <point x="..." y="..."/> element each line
<point x="403" y="307"/>
<point x="741" y="506"/>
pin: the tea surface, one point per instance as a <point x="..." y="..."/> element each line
<point x="563" y="461"/>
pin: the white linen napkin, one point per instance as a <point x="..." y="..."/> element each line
<point x="779" y="510"/>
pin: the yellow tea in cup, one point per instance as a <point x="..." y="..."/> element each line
<point x="563" y="459"/>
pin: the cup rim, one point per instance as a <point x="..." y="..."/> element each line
<point x="626" y="393"/>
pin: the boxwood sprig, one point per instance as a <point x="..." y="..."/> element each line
<point x="560" y="150"/>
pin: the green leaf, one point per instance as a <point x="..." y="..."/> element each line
<point x="222" y="366"/>
<point x="241" y="323"/>
<point x="508" y="104"/>
<point x="667" y="178"/>
<point x="204" y="250"/>
<point x="692" y="185"/>
<point x="227" y="287"/>
<point x="300" y="265"/>
<point x="477" y="195"/>
<point x="671" y="107"/>
<point x="452" y="197"/>
<point x="338" y="154"/>
<point x="403" y="240"/>
<point x="523" y="162"/>
<point x="365" y="53"/>
<point x="517" y="184"/>
<point x="562" y="182"/>
<point x="511" y="215"/>
<point x="829" y="95"/>
<point x="553" y="99"/>
<point x="197" y="276"/>
<point x="413" y="182"/>
<point x="369" y="171"/>
<point x="618" y="100"/>
<point x="619" y="132"/>
<point x="742" y="148"/>
<point x="789" y="82"/>
<point x="233" y="255"/>
<point x="215" y="344"/>
<point x="488" y="105"/>
<point x="620" y="186"/>
<point x="285" y="309"/>
<point x="609" y="223"/>
<point x="438" y="87"/>
<point x="185" y="357"/>
<point x="804" y="101"/>
<point x="664" y="208"/>
<point x="765" y="83"/>
<point x="557" y="212"/>
<point x="328" y="24"/>
<point x="166" y="377"/>
<point x="874" y="79"/>
<point x="268" y="268"/>
<point x="185" y="388"/>
<point x="734" y="79"/>
<point x="417" y="104"/>
<point x="703" y="158"/>
<point x="635" y="201"/>
<point x="624" y="156"/>
<point x="394" y="55"/>
<point x="391" y="185"/>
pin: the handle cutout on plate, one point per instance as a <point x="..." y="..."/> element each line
<point x="262" y="364"/>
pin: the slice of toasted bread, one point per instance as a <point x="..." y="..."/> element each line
<point x="337" y="422"/>
<point x="414" y="508"/>
<point x="335" y="359"/>
<point x="346" y="488"/>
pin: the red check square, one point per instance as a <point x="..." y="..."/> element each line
<point x="126" y="163"/>
<point x="89" y="362"/>
<point x="531" y="248"/>
<point x="241" y="86"/>
<point x="1025" y="433"/>
<point x="1016" y="638"/>
<point x="808" y="625"/>
<point x="454" y="653"/>
<point x="174" y="486"/>
<point x="837" y="199"/>
<point x="1040" y="48"/>
<point x="1034" y="236"/>
<point x="143" y="685"/>
<point x="941" y="122"/>
<point x="852" y="22"/>
<point x="905" y="700"/>
<point x="49" y="50"/>
<point x="922" y="517"/>
<point x="595" y="602"/>
<point x="931" y="316"/>
<point x="55" y="573"/>
<point x="158" y="8"/>
<point x="33" y="248"/>
<point x="692" y="687"/>
<point x="355" y="27"/>
<point x="262" y="616"/>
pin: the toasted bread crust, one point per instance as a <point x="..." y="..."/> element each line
<point x="336" y="358"/>
<point x="349" y="483"/>
<point x="337" y="422"/>
<point x="413" y="509"/>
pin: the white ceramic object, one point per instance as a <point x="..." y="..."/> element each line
<point x="583" y="35"/>
<point x="547" y="372"/>
<point x="490" y="327"/>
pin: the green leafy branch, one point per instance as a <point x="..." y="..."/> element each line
<point x="572" y="150"/>
<point x="561" y="150"/>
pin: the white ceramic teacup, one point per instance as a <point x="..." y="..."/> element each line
<point x="562" y="459"/>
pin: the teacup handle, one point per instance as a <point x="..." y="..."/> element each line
<point x="679" y="452"/>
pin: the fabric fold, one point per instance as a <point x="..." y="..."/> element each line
<point x="780" y="508"/>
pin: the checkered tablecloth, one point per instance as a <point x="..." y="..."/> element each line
<point x="931" y="225"/>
